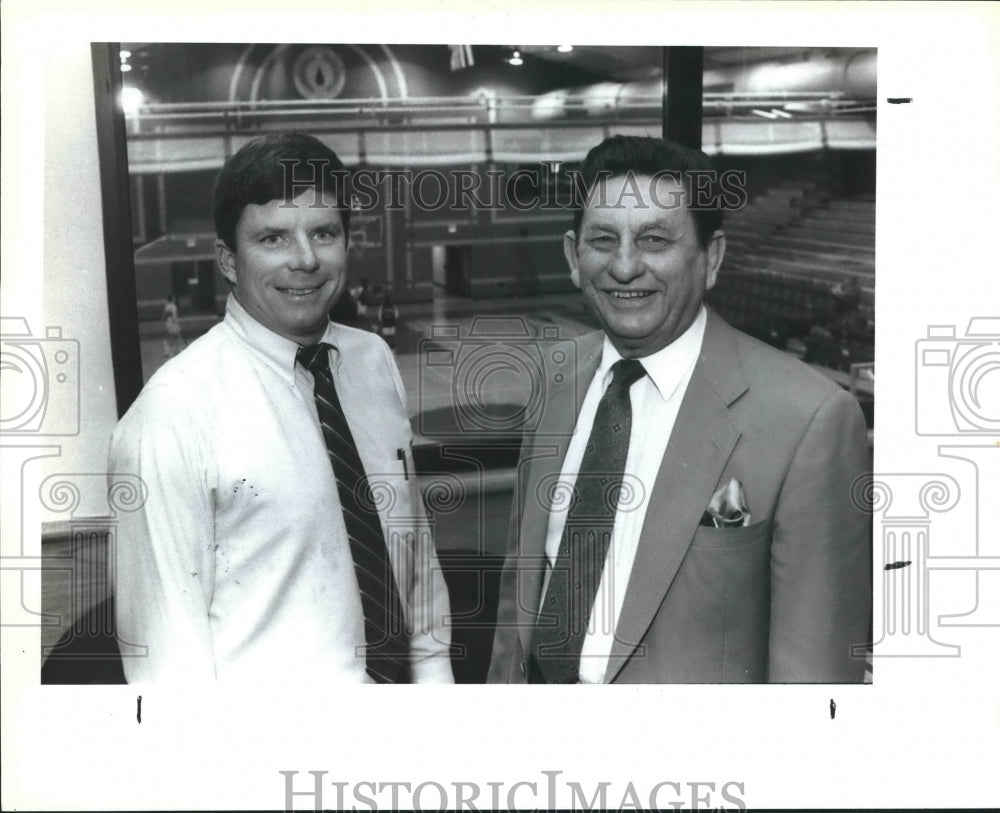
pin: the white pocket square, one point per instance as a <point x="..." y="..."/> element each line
<point x="727" y="508"/>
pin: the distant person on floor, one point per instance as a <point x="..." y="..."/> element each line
<point x="173" y="341"/>
<point x="387" y="320"/>
<point x="358" y="290"/>
<point x="373" y="299"/>
<point x="282" y="539"/>
<point x="683" y="513"/>
<point x="366" y="301"/>
<point x="848" y="295"/>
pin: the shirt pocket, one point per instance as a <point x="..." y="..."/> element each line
<point x="732" y="538"/>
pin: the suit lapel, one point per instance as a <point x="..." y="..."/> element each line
<point x="540" y="465"/>
<point x="700" y="444"/>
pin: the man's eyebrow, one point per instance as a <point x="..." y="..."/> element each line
<point x="268" y="230"/>
<point x="642" y="226"/>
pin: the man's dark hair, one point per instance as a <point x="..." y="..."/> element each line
<point x="643" y="155"/>
<point x="280" y="166"/>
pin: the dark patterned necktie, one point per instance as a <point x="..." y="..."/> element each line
<point x="563" y="617"/>
<point x="386" y="637"/>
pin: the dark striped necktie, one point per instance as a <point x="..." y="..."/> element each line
<point x="564" y="615"/>
<point x="386" y="636"/>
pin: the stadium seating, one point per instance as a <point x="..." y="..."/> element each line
<point x="800" y="273"/>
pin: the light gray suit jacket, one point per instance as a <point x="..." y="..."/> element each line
<point x="781" y="600"/>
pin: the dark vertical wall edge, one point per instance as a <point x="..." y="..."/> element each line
<point x="116" y="212"/>
<point x="684" y="69"/>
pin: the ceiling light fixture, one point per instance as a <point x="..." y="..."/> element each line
<point x="564" y="49"/>
<point x="515" y="58"/>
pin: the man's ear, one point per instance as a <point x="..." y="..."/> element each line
<point x="227" y="261"/>
<point x="714" y="253"/>
<point x="569" y="250"/>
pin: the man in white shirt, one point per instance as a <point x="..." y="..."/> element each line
<point x="711" y="534"/>
<point x="282" y="537"/>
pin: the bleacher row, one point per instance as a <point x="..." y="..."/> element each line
<point x="799" y="273"/>
<point x="760" y="302"/>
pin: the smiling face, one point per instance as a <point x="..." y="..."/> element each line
<point x="638" y="260"/>
<point x="289" y="264"/>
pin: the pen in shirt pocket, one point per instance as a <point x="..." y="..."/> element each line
<point x="402" y="456"/>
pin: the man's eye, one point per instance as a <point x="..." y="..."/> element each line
<point x="653" y="241"/>
<point x="271" y="239"/>
<point x="325" y="236"/>
<point x="603" y="241"/>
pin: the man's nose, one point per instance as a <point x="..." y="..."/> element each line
<point x="626" y="263"/>
<point x="303" y="255"/>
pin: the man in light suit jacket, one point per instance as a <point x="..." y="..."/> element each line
<point x="733" y="550"/>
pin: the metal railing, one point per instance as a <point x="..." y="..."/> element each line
<point x="153" y="119"/>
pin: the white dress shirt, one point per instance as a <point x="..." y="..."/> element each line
<point x="655" y="400"/>
<point x="237" y="567"/>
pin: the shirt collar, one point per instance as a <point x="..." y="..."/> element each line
<point x="666" y="368"/>
<point x="276" y="351"/>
